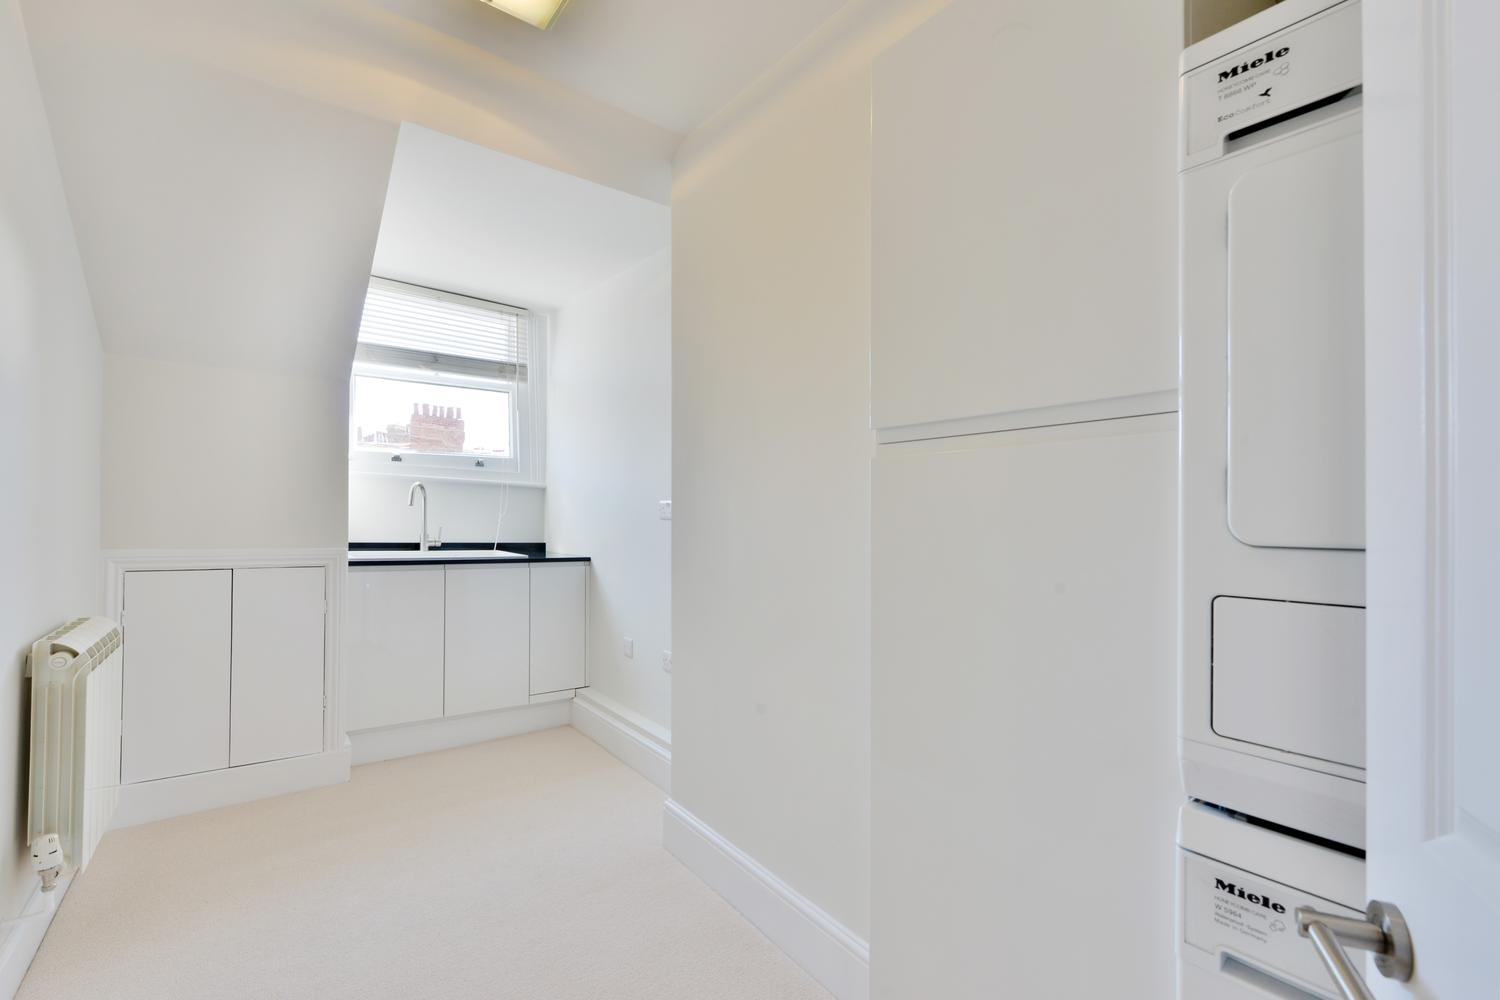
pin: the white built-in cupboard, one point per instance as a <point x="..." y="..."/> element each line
<point x="434" y="641"/>
<point x="223" y="667"/>
<point x="1024" y="500"/>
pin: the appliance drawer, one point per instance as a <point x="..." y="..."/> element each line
<point x="1291" y="676"/>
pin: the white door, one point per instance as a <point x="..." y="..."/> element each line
<point x="487" y="633"/>
<point x="394" y="650"/>
<point x="276" y="705"/>
<point x="1433" y="366"/>
<point x="175" y="715"/>
<point x="559" y="627"/>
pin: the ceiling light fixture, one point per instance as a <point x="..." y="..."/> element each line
<point x="537" y="13"/>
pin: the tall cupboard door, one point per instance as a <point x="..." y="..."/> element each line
<point x="1023" y="711"/>
<point x="559" y="627"/>
<point x="1024" y="204"/>
<point x="277" y="674"/>
<point x="486" y="638"/>
<point x="176" y="673"/>
<point x="395" y="647"/>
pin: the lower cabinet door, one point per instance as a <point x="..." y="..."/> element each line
<point x="175" y="715"/>
<point x="395" y="645"/>
<point x="488" y="615"/>
<point x="277" y="677"/>
<point x="559" y="627"/>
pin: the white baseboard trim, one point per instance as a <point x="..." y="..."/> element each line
<point x="831" y="953"/>
<point x="149" y="801"/>
<point x="444" y="734"/>
<point x="637" y="746"/>
<point x="19" y="946"/>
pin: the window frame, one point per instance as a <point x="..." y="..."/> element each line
<point x="526" y="400"/>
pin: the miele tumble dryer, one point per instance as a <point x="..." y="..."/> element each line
<point x="1272" y="451"/>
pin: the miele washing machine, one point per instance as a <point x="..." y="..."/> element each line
<point x="1272" y="448"/>
<point x="1240" y="886"/>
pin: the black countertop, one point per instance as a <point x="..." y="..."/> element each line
<point x="409" y="554"/>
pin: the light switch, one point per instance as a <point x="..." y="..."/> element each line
<point x="629" y="648"/>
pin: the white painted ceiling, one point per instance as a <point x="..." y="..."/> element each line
<point x="468" y="219"/>
<point x="671" y="62"/>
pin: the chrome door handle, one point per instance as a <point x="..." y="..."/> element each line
<point x="1383" y="931"/>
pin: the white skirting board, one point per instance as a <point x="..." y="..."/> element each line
<point x="640" y="748"/>
<point x="413" y="738"/>
<point x="18" y="946"/>
<point x="149" y="801"/>
<point x="831" y="953"/>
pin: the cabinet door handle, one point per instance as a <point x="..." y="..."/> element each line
<point x="1382" y="931"/>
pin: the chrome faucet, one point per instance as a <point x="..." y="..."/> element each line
<point x="423" y="542"/>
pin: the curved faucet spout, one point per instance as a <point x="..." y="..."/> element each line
<point x="411" y="501"/>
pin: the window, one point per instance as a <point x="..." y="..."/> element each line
<point x="444" y="385"/>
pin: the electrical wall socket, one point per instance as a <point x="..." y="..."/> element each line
<point x="666" y="660"/>
<point x="629" y="648"/>
<point x="664" y="509"/>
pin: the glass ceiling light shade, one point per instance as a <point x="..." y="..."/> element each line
<point x="537" y="13"/>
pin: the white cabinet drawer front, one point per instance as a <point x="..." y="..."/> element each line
<point x="488" y="613"/>
<point x="559" y="626"/>
<point x="276" y="707"/>
<point x="395" y="645"/>
<point x="176" y="687"/>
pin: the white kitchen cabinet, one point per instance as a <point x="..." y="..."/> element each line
<point x="276" y="703"/>
<point x="1024" y="238"/>
<point x="395" y="648"/>
<point x="487" y="618"/>
<point x="175" y="713"/>
<point x="559" y="626"/>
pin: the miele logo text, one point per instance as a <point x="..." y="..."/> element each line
<point x="1248" y="897"/>
<point x="1234" y="71"/>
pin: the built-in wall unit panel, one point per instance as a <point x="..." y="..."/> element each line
<point x="559" y="640"/>
<point x="176" y="673"/>
<point x="1024" y="383"/>
<point x="395" y="650"/>
<point x="487" y="630"/>
<point x="277" y="673"/>
<point x="1024" y="214"/>
<point x="232" y="676"/>
<point x="1023" y="651"/>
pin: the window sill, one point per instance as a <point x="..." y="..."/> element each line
<point x="430" y="475"/>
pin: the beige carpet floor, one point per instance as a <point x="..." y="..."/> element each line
<point x="524" y="868"/>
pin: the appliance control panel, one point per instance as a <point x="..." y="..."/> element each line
<point x="1308" y="62"/>
<point x="1231" y="913"/>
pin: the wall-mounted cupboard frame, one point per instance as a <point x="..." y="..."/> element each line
<point x="332" y="562"/>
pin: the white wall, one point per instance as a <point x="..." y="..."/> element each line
<point x="771" y="467"/>
<point x="227" y="228"/>
<point x="466" y="512"/>
<point x="49" y="406"/>
<point x="210" y="456"/>
<point x="609" y="463"/>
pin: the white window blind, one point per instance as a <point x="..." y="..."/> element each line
<point x="407" y="326"/>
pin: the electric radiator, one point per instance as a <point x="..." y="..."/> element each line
<point x="76" y="678"/>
